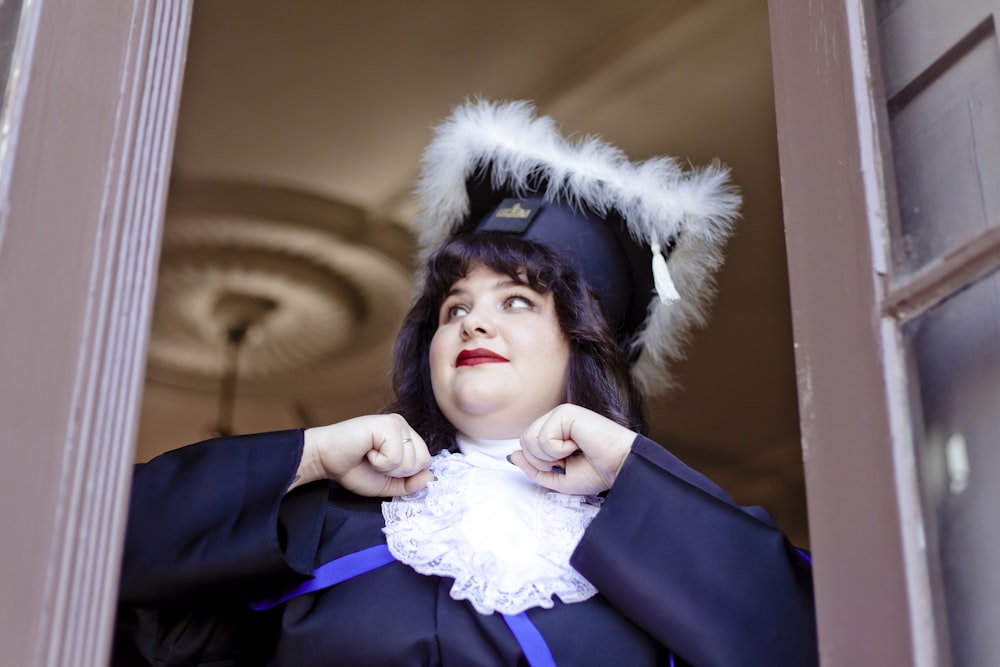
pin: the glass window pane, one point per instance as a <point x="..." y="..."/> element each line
<point x="10" y="14"/>
<point x="955" y="352"/>
<point x="884" y="8"/>
<point x="945" y="128"/>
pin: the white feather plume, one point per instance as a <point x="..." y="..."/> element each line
<point x="657" y="199"/>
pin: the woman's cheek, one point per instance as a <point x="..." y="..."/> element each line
<point x="438" y="361"/>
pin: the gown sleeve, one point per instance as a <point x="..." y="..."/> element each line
<point x="718" y="584"/>
<point x="210" y="527"/>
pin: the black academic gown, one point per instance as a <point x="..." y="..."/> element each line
<point x="677" y="565"/>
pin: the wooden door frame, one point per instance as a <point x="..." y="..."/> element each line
<point x="872" y="587"/>
<point x="82" y="194"/>
<point x="92" y="113"/>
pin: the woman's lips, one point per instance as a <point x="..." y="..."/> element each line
<point x="478" y="356"/>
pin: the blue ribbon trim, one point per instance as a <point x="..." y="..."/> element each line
<point x="532" y="644"/>
<point x="334" y="572"/>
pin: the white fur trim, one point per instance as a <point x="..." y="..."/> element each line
<point x="655" y="197"/>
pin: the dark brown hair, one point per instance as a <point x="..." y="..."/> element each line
<point x="598" y="376"/>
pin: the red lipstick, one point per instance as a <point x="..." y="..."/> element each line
<point x="480" y="355"/>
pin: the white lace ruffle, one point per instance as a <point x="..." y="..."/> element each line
<point x="505" y="540"/>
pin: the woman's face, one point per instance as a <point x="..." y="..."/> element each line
<point x="498" y="358"/>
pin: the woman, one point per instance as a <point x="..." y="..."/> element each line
<point x="513" y="368"/>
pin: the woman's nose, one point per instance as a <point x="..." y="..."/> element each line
<point x="475" y="324"/>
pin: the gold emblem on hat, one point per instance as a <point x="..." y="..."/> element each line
<point x="515" y="211"/>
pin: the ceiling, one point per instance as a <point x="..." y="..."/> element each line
<point x="301" y="126"/>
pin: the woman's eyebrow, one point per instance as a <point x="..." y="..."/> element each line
<point x="510" y="282"/>
<point x="499" y="285"/>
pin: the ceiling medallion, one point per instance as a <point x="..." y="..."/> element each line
<point x="308" y="285"/>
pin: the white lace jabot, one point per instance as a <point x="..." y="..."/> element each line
<point x="505" y="540"/>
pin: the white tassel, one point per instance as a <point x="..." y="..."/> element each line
<point x="665" y="287"/>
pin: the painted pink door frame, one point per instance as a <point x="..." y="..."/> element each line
<point x="85" y="171"/>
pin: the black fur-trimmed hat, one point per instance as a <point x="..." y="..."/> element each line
<point x="647" y="236"/>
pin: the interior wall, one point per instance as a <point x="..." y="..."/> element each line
<point x="336" y="101"/>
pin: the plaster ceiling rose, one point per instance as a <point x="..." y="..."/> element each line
<point x="312" y="285"/>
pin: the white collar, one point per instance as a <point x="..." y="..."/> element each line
<point x="488" y="453"/>
<point x="505" y="540"/>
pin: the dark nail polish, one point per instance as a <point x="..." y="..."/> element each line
<point x="559" y="470"/>
<point x="508" y="459"/>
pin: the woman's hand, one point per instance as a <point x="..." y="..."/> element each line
<point x="374" y="455"/>
<point x="573" y="450"/>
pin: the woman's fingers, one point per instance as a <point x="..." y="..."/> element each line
<point x="373" y="455"/>
<point x="553" y="465"/>
<point x="390" y="455"/>
<point x="414" y="483"/>
<point x="572" y="475"/>
<point x="574" y="450"/>
<point x="549" y="437"/>
<point x="399" y="454"/>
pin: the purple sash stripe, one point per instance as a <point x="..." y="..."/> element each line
<point x="532" y="644"/>
<point x="334" y="572"/>
<point x="530" y="640"/>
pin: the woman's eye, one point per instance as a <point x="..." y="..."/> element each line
<point x="516" y="302"/>
<point x="455" y="311"/>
